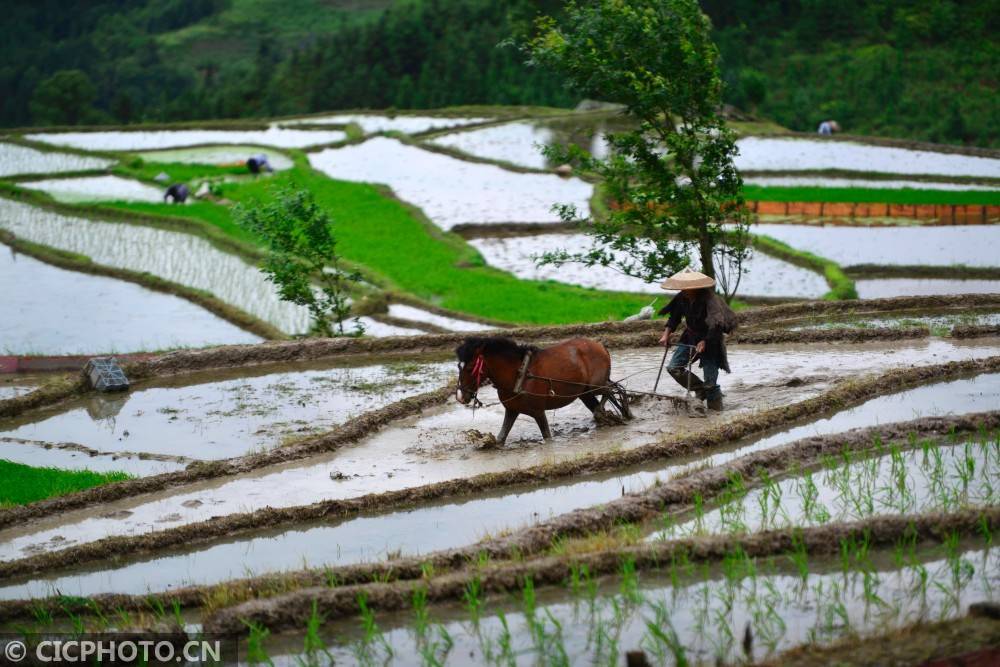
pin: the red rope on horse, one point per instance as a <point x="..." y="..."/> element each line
<point x="477" y="370"/>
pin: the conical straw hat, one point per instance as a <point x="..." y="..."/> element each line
<point x="688" y="279"/>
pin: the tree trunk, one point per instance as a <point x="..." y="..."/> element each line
<point x="706" y="247"/>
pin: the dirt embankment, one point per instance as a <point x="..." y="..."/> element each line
<point x="293" y="609"/>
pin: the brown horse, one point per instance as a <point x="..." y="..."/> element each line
<point x="530" y="380"/>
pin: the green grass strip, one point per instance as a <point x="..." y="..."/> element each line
<point x="22" y="484"/>
<point x="841" y="286"/>
<point x="872" y="195"/>
<point x="405" y="251"/>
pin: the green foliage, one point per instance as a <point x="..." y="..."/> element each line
<point x="657" y="58"/>
<point x="303" y="254"/>
<point x="21" y="484"/>
<point x="64" y="98"/>
<point x="889" y="67"/>
<point x="841" y="286"/>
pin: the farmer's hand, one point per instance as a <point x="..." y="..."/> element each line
<point x="700" y="347"/>
<point x="665" y="338"/>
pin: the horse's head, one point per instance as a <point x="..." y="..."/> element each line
<point x="471" y="371"/>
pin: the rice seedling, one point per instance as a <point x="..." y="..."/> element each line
<point x="256" y="654"/>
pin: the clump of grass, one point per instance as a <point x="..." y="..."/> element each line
<point x="22" y="484"/>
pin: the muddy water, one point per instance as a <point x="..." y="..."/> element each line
<point x="971" y="245"/>
<point x="19" y="384"/>
<point x="935" y="478"/>
<point x="878" y="288"/>
<point x="386" y="461"/>
<point x="226" y="417"/>
<point x="706" y="613"/>
<point x="452" y="191"/>
<point x="16" y="160"/>
<point x="181" y="258"/>
<point x="48" y="310"/>
<point x="765" y="275"/>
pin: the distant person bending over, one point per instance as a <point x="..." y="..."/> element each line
<point x="828" y="127"/>
<point x="176" y="194"/>
<point x="706" y="319"/>
<point x="259" y="163"/>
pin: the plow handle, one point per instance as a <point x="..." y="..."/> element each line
<point x="663" y="361"/>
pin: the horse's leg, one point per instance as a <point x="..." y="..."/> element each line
<point x="543" y="425"/>
<point x="508" y="422"/>
<point x="590" y="401"/>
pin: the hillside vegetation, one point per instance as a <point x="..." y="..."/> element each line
<point x="924" y="69"/>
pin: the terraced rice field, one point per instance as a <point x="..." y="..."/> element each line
<point x="300" y="494"/>
<point x="96" y="188"/>
<point x="18" y="160"/>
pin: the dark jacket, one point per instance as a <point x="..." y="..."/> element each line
<point x="706" y="318"/>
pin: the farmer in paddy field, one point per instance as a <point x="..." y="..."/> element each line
<point x="706" y="319"/>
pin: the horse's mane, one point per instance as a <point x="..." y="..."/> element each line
<point x="500" y="345"/>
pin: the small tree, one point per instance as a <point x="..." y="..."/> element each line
<point x="671" y="181"/>
<point x="302" y="260"/>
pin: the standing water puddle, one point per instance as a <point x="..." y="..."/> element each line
<point x="96" y="188"/>
<point x="428" y="528"/>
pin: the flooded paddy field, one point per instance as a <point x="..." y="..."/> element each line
<point x="207" y="416"/>
<point x="518" y="143"/>
<point x="795" y="154"/>
<point x="18" y="160"/>
<point x="49" y="310"/>
<point x="968" y="245"/>
<point x="139" y="140"/>
<point x="935" y="476"/>
<point x="765" y="275"/>
<point x="932" y="476"/>
<point x="433" y="447"/>
<point x="452" y="191"/>
<point x="217" y="155"/>
<point x="19" y="384"/>
<point x="687" y="615"/>
<point x="174" y="256"/>
<point x="96" y="188"/>
<point x="877" y="288"/>
<point x="372" y="123"/>
<point x="406" y="312"/>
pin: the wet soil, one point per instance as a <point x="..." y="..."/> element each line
<point x="431" y="451"/>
